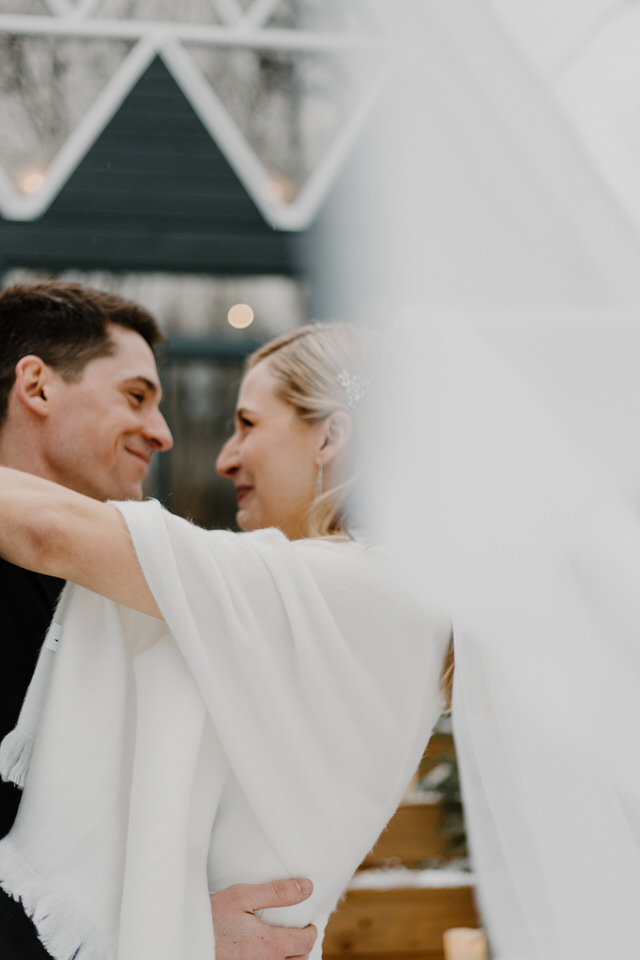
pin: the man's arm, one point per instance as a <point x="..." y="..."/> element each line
<point x="54" y="530"/>
<point x="241" y="935"/>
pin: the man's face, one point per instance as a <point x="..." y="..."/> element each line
<point x="103" y="428"/>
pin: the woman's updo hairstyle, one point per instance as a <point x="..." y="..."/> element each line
<point x="322" y="368"/>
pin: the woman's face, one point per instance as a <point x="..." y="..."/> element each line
<point x="272" y="457"/>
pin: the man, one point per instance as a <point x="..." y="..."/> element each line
<point x="80" y="405"/>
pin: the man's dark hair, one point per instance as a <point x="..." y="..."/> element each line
<point x="66" y="325"/>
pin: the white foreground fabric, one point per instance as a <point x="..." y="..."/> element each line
<point x="540" y="565"/>
<point x="489" y="221"/>
<point x="266" y="728"/>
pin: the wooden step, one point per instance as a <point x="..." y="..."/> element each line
<point x="403" y="923"/>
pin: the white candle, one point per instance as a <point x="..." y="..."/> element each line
<point x="462" y="943"/>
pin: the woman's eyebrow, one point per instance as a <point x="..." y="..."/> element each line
<point x="242" y="412"/>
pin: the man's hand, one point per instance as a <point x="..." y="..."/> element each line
<point x="241" y="935"/>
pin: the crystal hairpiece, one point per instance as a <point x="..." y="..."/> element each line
<point x="354" y="386"/>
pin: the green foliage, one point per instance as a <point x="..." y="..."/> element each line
<point x="443" y="779"/>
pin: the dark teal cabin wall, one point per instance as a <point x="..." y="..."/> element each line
<point x="154" y="193"/>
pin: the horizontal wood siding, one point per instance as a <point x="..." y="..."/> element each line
<point x="153" y="193"/>
<point x="413" y="835"/>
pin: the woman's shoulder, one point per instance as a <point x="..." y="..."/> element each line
<point x="357" y="552"/>
<point x="362" y="568"/>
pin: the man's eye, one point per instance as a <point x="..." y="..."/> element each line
<point x="137" y="397"/>
<point x="246" y="422"/>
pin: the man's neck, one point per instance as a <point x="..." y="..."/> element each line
<point x="23" y="459"/>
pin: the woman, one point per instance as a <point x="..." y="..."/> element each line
<point x="212" y="707"/>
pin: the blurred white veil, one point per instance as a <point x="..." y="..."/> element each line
<point x="507" y="281"/>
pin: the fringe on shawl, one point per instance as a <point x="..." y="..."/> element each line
<point x="16" y="750"/>
<point x="61" y="931"/>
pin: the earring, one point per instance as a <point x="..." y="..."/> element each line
<point x="319" y="480"/>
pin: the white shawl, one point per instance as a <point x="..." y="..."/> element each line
<point x="266" y="728"/>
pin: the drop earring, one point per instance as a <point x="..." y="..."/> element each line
<point x="319" y="480"/>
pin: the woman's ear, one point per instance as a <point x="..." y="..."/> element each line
<point x="338" y="428"/>
<point x="32" y="384"/>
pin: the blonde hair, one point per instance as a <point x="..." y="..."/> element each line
<point x="446" y="677"/>
<point x="307" y="364"/>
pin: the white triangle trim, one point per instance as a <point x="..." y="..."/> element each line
<point x="164" y="39"/>
<point x="77" y="26"/>
<point x="259" y="12"/>
<point x="274" y="38"/>
<point x="16" y="206"/>
<point x="257" y="181"/>
<point x="229" y="10"/>
<point x="308" y="202"/>
<point x="7" y="192"/>
<point x="222" y="128"/>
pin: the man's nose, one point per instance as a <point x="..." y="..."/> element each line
<point x="157" y="431"/>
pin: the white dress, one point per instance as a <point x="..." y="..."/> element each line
<point x="266" y="728"/>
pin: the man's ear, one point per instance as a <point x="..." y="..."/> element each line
<point x="338" y="428"/>
<point x="33" y="385"/>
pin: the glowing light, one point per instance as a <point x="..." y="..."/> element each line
<point x="31" y="181"/>
<point x="240" y="316"/>
<point x="280" y="189"/>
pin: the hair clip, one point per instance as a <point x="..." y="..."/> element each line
<point x="354" y="386"/>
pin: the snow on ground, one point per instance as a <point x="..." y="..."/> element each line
<point x="388" y="878"/>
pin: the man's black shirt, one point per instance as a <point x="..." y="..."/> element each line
<point x="27" y="601"/>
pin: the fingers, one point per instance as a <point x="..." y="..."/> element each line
<point x="278" y="893"/>
<point x="239" y="933"/>
<point x="290" y="943"/>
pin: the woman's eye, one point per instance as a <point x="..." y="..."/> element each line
<point x="246" y="422"/>
<point x="137" y="397"/>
